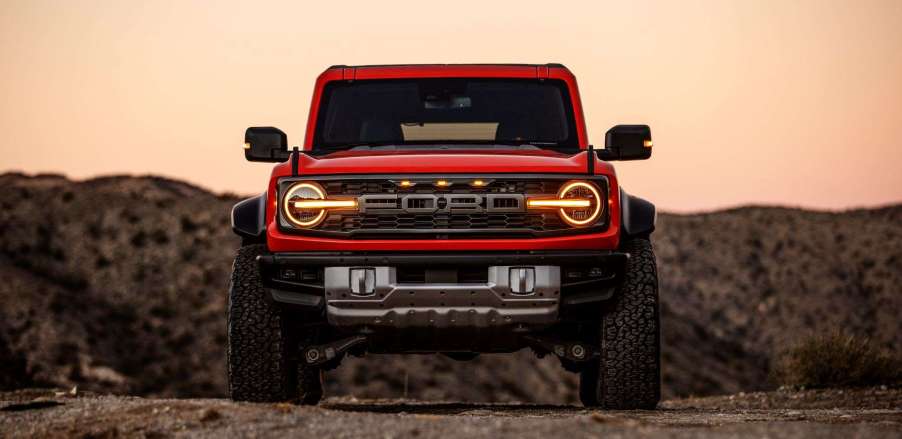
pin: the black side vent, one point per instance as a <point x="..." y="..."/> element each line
<point x="419" y="203"/>
<point x="506" y="203"/>
<point x="464" y="275"/>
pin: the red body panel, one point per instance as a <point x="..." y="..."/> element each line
<point x="444" y="162"/>
<point x="450" y="162"/>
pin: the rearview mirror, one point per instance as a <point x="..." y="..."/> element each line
<point x="627" y="142"/>
<point x="265" y="144"/>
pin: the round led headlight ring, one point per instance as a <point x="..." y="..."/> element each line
<point x="299" y="217"/>
<point x="581" y="216"/>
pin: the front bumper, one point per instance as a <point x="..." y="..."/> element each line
<point x="442" y="290"/>
<point x="374" y="296"/>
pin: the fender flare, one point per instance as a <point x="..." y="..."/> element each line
<point x="249" y="217"/>
<point x="637" y="215"/>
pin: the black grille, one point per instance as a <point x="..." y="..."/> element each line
<point x="527" y="221"/>
<point x="357" y="223"/>
<point x="504" y="213"/>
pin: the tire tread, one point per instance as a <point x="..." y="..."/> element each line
<point x="263" y="344"/>
<point x="628" y="374"/>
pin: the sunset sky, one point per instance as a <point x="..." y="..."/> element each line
<point x="786" y="102"/>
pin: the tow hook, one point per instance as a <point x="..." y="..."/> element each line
<point x="319" y="354"/>
<point x="573" y="351"/>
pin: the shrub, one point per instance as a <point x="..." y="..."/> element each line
<point x="836" y="360"/>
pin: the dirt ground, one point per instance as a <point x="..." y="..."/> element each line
<point x="875" y="412"/>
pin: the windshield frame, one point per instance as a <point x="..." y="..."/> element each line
<point x="571" y="144"/>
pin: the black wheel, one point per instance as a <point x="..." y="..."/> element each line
<point x="264" y="342"/>
<point x="628" y="374"/>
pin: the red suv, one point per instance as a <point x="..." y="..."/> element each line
<point x="453" y="209"/>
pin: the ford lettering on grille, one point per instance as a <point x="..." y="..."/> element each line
<point x="452" y="203"/>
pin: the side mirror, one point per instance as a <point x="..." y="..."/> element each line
<point x="265" y="144"/>
<point x="627" y="142"/>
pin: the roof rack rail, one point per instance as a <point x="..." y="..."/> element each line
<point x="339" y="66"/>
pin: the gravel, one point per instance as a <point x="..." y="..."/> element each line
<point x="852" y="413"/>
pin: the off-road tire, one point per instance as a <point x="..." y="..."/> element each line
<point x="628" y="374"/>
<point x="264" y="342"/>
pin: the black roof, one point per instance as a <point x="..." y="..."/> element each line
<point x="453" y="64"/>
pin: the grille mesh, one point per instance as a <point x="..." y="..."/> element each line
<point x="345" y="222"/>
<point x="536" y="222"/>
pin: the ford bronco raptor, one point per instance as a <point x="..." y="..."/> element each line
<point x="453" y="209"/>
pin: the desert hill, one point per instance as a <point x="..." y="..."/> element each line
<point x="119" y="284"/>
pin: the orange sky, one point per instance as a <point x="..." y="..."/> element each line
<point x="787" y="102"/>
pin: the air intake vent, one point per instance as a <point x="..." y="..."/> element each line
<point x="506" y="203"/>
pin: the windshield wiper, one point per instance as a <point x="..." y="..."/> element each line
<point x="526" y="142"/>
<point x="361" y="145"/>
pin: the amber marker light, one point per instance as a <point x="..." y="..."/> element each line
<point x="405" y="183"/>
<point x="247" y="145"/>
<point x="442" y="183"/>
<point x="648" y="143"/>
<point x="479" y="183"/>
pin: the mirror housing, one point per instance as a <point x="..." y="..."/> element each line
<point x="265" y="144"/>
<point x="627" y="142"/>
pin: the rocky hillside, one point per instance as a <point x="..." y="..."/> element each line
<point x="118" y="284"/>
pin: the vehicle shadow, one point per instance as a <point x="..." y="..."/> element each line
<point x="452" y="408"/>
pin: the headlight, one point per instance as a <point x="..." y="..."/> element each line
<point x="579" y="203"/>
<point x="305" y="204"/>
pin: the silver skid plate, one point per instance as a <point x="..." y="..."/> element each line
<point x="372" y="296"/>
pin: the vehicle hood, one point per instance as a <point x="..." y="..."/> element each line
<point x="448" y="161"/>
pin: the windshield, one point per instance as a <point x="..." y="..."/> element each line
<point x="418" y="113"/>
